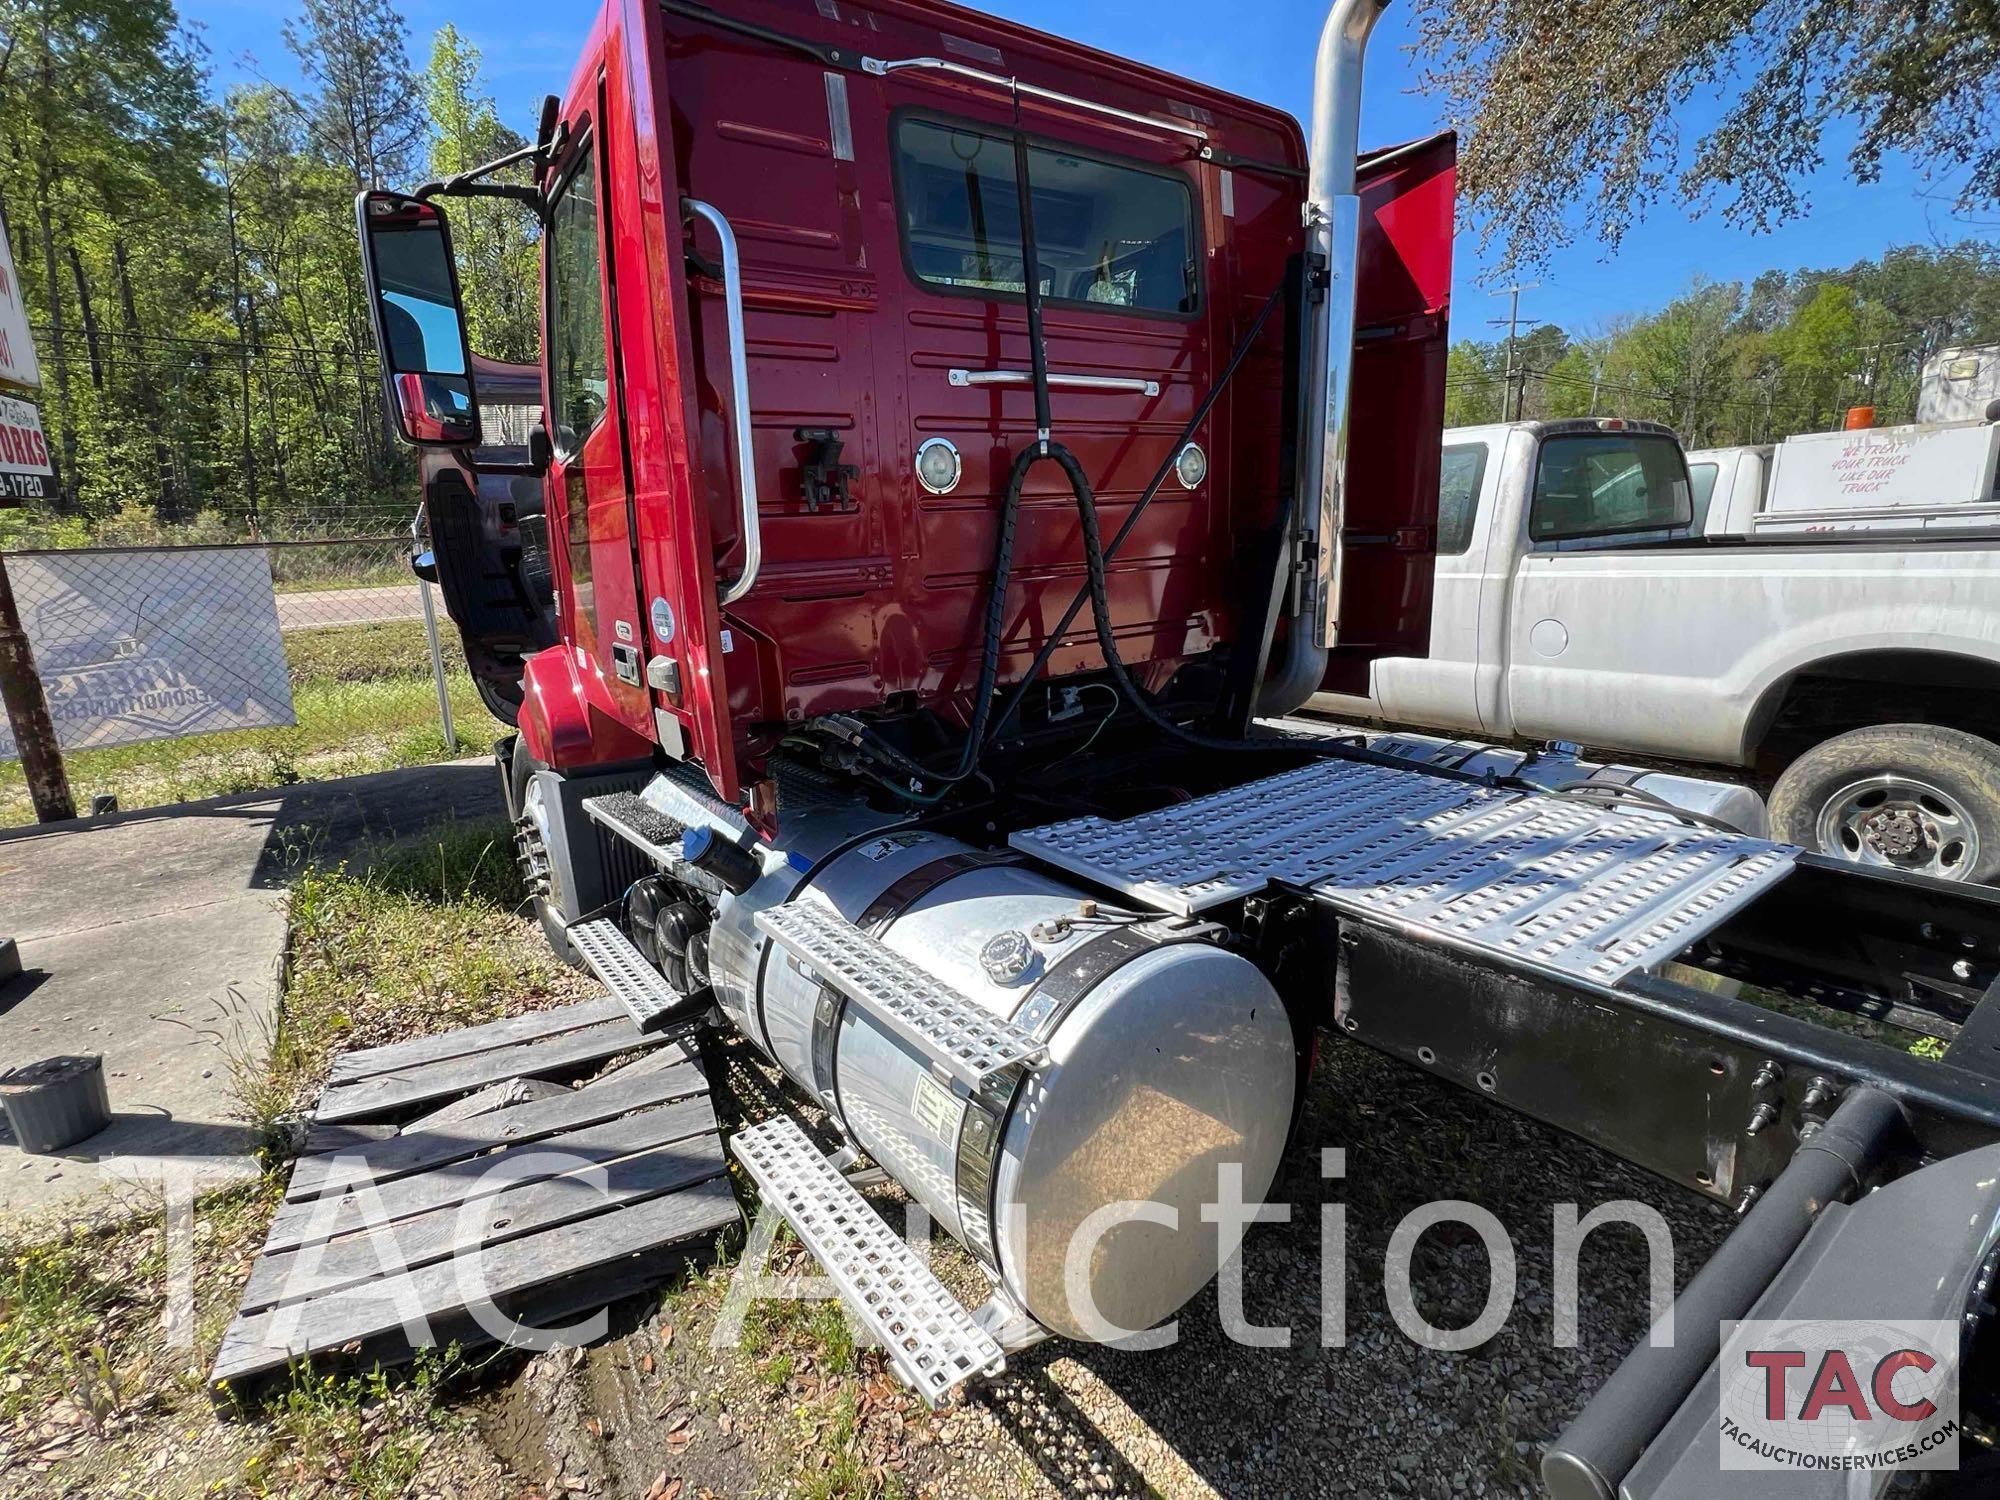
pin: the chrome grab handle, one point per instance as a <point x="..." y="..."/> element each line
<point x="1057" y="382"/>
<point x="739" y="395"/>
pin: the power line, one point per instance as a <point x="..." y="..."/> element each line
<point x="1513" y="325"/>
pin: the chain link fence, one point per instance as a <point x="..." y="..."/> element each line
<point x="179" y="672"/>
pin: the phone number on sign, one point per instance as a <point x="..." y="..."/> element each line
<point x="23" y="487"/>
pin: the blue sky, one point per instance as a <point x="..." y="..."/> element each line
<point x="1261" y="49"/>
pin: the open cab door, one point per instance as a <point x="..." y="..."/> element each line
<point x="1402" y="310"/>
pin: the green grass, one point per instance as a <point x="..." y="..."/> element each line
<point x="364" y="699"/>
<point x="298" y="570"/>
<point x="423" y="941"/>
<point x="367" y="1435"/>
<point x="80" y="1311"/>
<point x="841" y="1472"/>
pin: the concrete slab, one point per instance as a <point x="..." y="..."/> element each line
<point x="156" y="939"/>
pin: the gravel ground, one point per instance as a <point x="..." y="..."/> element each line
<point x="660" y="1412"/>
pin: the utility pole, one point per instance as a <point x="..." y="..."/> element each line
<point x="1516" y="394"/>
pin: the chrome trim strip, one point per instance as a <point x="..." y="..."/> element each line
<point x="882" y="68"/>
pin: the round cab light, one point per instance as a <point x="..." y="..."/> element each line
<point x="1191" y="468"/>
<point x="938" y="466"/>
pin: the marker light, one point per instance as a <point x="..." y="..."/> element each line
<point x="938" y="466"/>
<point x="1191" y="467"/>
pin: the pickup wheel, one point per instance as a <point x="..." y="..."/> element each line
<point x="1908" y="797"/>
<point x="531" y="846"/>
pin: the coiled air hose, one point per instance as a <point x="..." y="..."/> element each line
<point x="1107" y="642"/>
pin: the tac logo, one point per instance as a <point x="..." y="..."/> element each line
<point x="1839" y="1395"/>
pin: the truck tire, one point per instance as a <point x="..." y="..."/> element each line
<point x="1911" y="797"/>
<point x="531" y="830"/>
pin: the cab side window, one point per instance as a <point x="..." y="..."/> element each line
<point x="1459" y="479"/>
<point x="1609" y="484"/>
<point x="579" y="367"/>
<point x="1702" y="476"/>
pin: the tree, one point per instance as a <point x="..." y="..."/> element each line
<point x="1563" y="102"/>
<point x="497" y="240"/>
<point x="100" y="101"/>
<point x="366" y="111"/>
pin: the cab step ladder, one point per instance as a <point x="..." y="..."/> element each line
<point x="931" y="1340"/>
<point x="653" y="1003"/>
<point x="965" y="1043"/>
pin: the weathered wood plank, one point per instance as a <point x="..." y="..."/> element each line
<point x="485" y="1101"/>
<point x="636" y="1087"/>
<point x="468" y="1040"/>
<point x="264" y="1342"/>
<point x="316" y="1269"/>
<point x="321" y="1138"/>
<point x="345" y="1213"/>
<point x="425" y="1083"/>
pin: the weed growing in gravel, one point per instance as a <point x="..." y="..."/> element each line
<point x="843" y="1473"/>
<point x="363" y="1436"/>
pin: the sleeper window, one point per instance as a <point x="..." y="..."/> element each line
<point x="1459" y="478"/>
<point x="1107" y="234"/>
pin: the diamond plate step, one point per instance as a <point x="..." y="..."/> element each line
<point x="641" y="988"/>
<point x="969" y="1043"/>
<point x="931" y="1340"/>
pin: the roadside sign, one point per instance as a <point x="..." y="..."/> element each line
<point x="18" y="366"/>
<point x="25" y="473"/>
<point x="134" y="644"/>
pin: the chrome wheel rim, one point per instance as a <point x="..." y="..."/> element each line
<point x="1900" y="823"/>
<point x="532" y="843"/>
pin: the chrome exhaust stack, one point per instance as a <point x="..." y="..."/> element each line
<point x="1333" y="234"/>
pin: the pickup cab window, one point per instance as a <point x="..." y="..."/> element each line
<point x="1109" y="235"/>
<point x="1459" y="478"/>
<point x="1609" y="484"/>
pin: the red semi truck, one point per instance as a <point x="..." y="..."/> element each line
<point x="954" y="455"/>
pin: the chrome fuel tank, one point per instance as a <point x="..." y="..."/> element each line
<point x="1169" y="1059"/>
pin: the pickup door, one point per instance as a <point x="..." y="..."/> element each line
<point x="1458" y="683"/>
<point x="1530" y="635"/>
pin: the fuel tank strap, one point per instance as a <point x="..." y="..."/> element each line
<point x="920" y="882"/>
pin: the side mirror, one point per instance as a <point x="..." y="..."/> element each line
<point x="541" y="452"/>
<point x="419" y="320"/>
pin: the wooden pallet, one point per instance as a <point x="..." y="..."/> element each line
<point x="541" y="1199"/>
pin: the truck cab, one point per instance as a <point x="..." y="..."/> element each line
<point x="1729" y="487"/>
<point x="1843" y="650"/>
<point x="787" y="371"/>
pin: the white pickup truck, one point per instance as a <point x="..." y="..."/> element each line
<point x="1576" y="601"/>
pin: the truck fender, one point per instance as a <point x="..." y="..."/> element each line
<point x="560" y="726"/>
<point x="1770" y="672"/>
